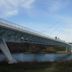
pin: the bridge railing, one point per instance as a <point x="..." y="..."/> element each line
<point x="28" y="30"/>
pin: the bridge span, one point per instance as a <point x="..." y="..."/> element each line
<point x="25" y="43"/>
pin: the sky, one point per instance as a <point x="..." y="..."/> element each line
<point x="49" y="17"/>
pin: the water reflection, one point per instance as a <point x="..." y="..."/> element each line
<point x="38" y="57"/>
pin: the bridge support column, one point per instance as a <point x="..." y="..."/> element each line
<point x="6" y="51"/>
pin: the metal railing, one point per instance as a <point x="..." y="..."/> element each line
<point x="28" y="30"/>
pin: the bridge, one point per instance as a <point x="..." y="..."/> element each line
<point x="13" y="33"/>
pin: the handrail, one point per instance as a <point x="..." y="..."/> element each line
<point x="28" y="30"/>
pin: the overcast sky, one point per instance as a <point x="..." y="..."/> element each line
<point x="51" y="17"/>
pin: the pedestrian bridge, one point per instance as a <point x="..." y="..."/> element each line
<point x="31" y="45"/>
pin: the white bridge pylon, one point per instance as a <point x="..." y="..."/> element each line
<point x="4" y="48"/>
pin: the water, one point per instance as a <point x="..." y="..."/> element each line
<point x="21" y="57"/>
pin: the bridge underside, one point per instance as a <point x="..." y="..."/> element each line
<point x="25" y="50"/>
<point x="33" y="48"/>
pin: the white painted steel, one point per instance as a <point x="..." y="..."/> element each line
<point x="6" y="52"/>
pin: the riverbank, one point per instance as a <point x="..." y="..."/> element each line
<point x="50" y="67"/>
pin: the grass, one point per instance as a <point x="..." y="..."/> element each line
<point x="43" y="67"/>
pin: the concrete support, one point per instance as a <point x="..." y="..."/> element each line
<point x="6" y="51"/>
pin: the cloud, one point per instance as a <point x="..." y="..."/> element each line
<point x="11" y="13"/>
<point x="55" y="6"/>
<point x="27" y="4"/>
<point x="11" y="7"/>
<point x="49" y="7"/>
